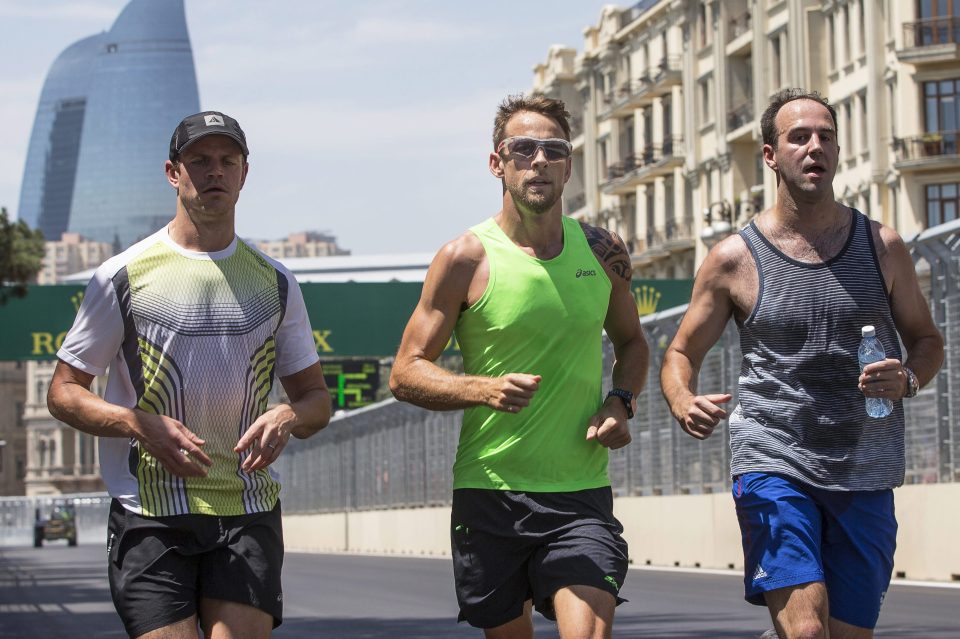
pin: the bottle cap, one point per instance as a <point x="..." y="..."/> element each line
<point x="867" y="331"/>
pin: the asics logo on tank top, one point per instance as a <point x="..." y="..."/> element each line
<point x="582" y="272"/>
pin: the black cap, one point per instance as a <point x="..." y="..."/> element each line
<point x="193" y="127"/>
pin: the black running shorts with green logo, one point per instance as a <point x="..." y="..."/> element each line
<point x="511" y="546"/>
<point x="160" y="567"/>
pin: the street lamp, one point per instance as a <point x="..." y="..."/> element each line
<point x="717" y="219"/>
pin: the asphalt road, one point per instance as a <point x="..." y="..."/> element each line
<point x="60" y="592"/>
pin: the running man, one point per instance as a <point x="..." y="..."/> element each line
<point x="529" y="293"/>
<point x="194" y="326"/>
<point x="812" y="473"/>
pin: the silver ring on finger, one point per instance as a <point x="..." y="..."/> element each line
<point x="272" y="446"/>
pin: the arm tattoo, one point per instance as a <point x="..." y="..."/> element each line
<point x="609" y="249"/>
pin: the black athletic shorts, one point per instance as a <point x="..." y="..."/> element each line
<point x="160" y="567"/>
<point x="512" y="546"/>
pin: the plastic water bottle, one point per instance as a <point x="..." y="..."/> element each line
<point x="870" y="351"/>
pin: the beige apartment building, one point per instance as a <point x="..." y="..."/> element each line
<point x="667" y="97"/>
<point x="60" y="459"/>
<point x="302" y="244"/>
<point x="70" y="254"/>
<point x="13" y="434"/>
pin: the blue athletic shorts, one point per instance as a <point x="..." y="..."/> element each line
<point x="795" y="534"/>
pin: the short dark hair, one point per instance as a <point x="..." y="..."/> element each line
<point x="768" y="127"/>
<point x="513" y="104"/>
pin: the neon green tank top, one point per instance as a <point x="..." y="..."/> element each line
<point x="542" y="317"/>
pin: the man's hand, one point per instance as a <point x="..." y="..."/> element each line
<point x="608" y="426"/>
<point x="702" y="413"/>
<point x="885" y="379"/>
<point x="174" y="445"/>
<point x="266" y="437"/>
<point x="512" y="392"/>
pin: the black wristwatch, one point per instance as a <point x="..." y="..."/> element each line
<point x="626" y="397"/>
<point x="913" y="384"/>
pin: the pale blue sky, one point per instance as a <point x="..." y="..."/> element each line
<point x="368" y="119"/>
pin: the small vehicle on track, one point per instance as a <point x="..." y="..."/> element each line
<point x="60" y="524"/>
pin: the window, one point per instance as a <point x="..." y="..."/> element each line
<point x="942" y="202"/>
<point x="938" y="22"/>
<point x="775" y="76"/>
<point x="831" y="41"/>
<point x="667" y="126"/>
<point x="939" y="8"/>
<point x="942" y="105"/>
<point x="778" y="60"/>
<point x="848" y="128"/>
<point x="706" y="101"/>
<point x="864" y="129"/>
<point x="705" y="25"/>
<point x="861" y="29"/>
<point x="651" y="216"/>
<point x="942" y="112"/>
<point x="668" y="209"/>
<point x="895" y="205"/>
<point x="627" y="138"/>
<point x="646" y="151"/>
<point x="846" y="34"/>
<point x="602" y="156"/>
<point x="892" y="99"/>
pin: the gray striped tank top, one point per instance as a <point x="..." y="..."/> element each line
<point x="800" y="412"/>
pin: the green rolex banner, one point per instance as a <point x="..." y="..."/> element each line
<point x="349" y="319"/>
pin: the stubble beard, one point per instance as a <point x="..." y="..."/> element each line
<point x="204" y="211"/>
<point x="537" y="205"/>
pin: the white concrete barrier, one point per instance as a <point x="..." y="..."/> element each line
<point x="688" y="531"/>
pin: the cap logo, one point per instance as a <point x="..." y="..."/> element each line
<point x="213" y="120"/>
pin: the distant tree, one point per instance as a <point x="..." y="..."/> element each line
<point x="21" y="256"/>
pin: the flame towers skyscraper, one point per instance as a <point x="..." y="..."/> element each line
<point x="100" y="137"/>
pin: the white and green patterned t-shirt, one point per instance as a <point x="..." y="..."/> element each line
<point x="199" y="337"/>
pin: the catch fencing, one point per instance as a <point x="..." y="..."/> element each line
<point x="394" y="455"/>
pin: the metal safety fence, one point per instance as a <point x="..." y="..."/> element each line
<point x="394" y="455"/>
<point x="18" y="515"/>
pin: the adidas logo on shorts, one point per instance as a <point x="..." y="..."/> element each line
<point x="759" y="573"/>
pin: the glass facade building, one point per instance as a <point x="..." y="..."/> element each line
<point x="100" y="137"/>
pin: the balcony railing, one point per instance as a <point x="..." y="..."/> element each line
<point x="738" y="26"/>
<point x="679" y="229"/>
<point x="928" y="145"/>
<point x="669" y="64"/>
<point x="739" y="116"/>
<point x="672" y="231"/>
<point x="650" y="155"/>
<point x="932" y="31"/>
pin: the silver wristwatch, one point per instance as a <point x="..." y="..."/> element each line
<point x="913" y="384"/>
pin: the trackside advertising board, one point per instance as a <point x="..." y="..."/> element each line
<point x="349" y="319"/>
